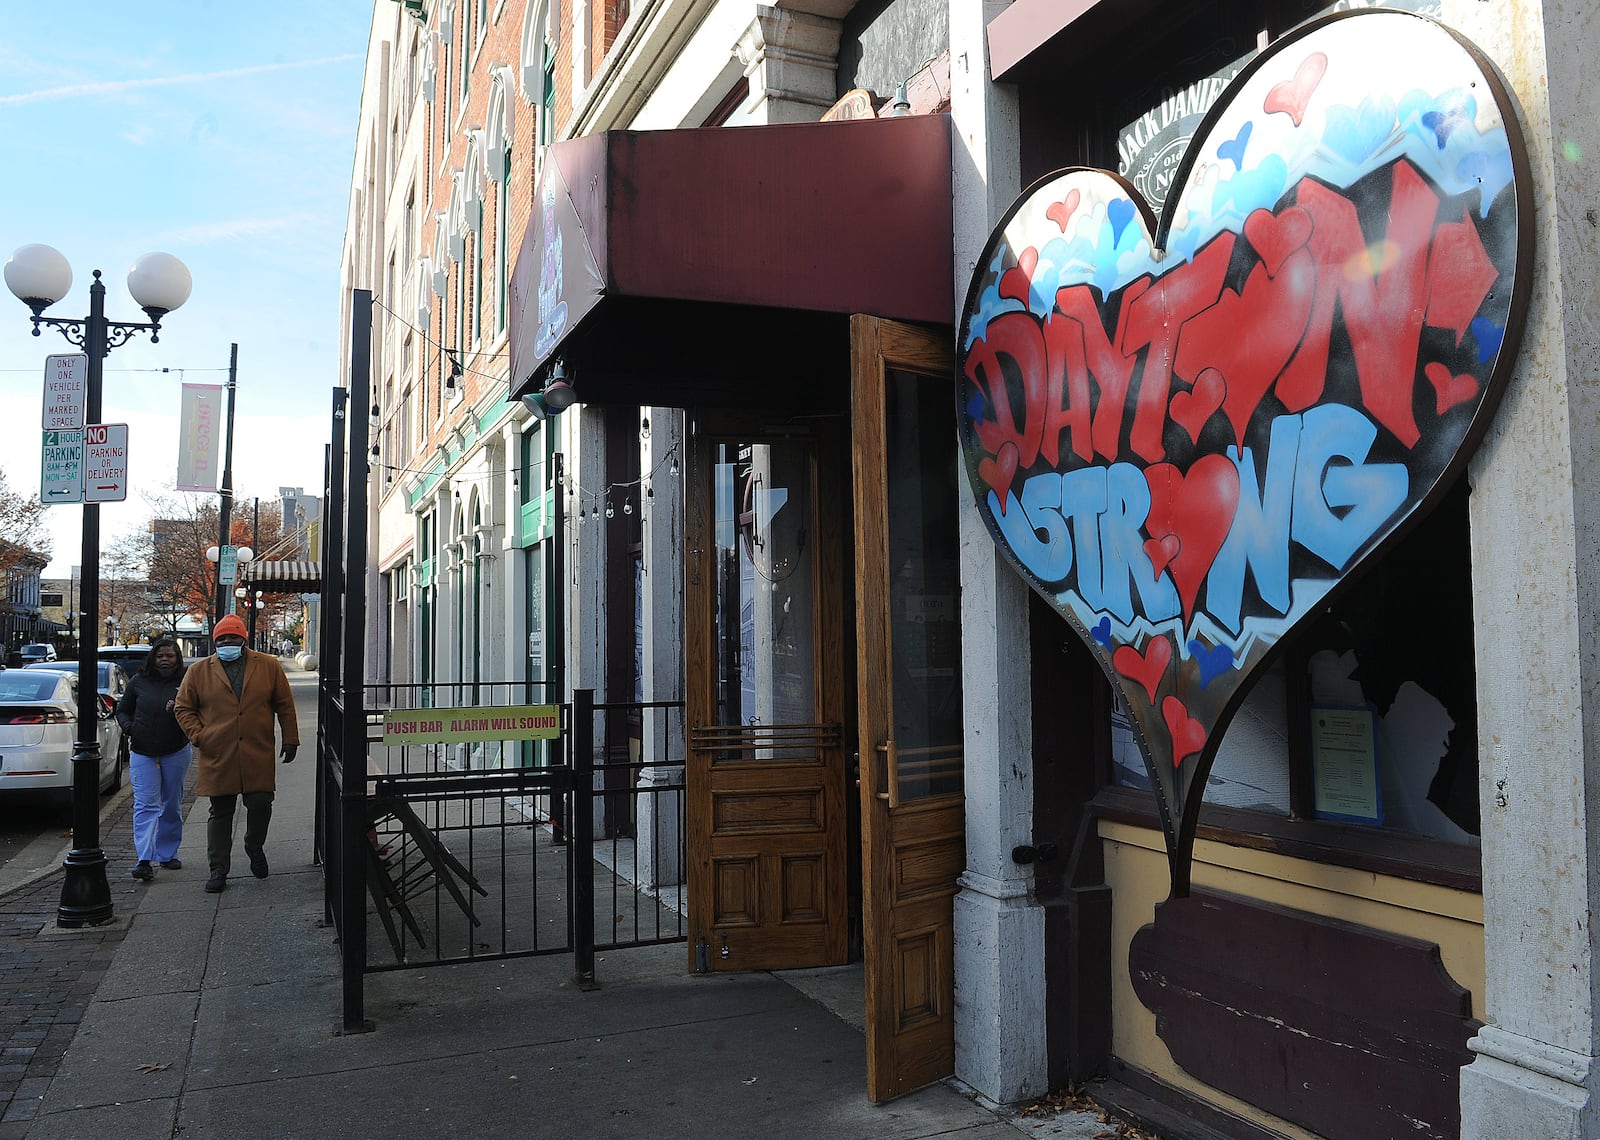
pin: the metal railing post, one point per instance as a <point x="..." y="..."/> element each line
<point x="580" y="830"/>
<point x="353" y="746"/>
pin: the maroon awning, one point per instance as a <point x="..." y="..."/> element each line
<point x="819" y="218"/>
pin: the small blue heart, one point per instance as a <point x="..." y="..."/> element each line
<point x="1213" y="662"/>
<point x="1233" y="149"/>
<point x="1119" y="212"/>
<point x="1102" y="632"/>
<point x="1488" y="335"/>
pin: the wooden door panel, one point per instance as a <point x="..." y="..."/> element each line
<point x="908" y="671"/>
<point x="765" y="805"/>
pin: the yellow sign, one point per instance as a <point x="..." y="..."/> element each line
<point x="455" y="726"/>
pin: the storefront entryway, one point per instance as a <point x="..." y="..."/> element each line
<point x="824" y="701"/>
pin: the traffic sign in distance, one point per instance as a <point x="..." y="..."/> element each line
<point x="61" y="467"/>
<point x="66" y="386"/>
<point x="105" y="463"/>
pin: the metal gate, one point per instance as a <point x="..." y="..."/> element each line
<point x="441" y="854"/>
<point x="437" y="854"/>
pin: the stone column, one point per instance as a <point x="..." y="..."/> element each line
<point x="660" y="813"/>
<point x="999" y="929"/>
<point x="792" y="61"/>
<point x="583" y="592"/>
<point x="1536" y="607"/>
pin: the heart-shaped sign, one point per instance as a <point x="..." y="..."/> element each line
<point x="1338" y="275"/>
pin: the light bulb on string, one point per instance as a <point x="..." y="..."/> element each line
<point x="610" y="510"/>
<point x="627" y="506"/>
<point x="673" y="468"/>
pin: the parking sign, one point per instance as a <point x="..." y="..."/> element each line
<point x="61" y="467"/>
<point x="66" y="386"/>
<point x="105" y="463"/>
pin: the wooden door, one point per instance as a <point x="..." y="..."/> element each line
<point x="764" y="610"/>
<point x="908" y="642"/>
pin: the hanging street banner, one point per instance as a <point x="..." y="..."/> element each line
<point x="105" y="463"/>
<point x="66" y="387"/>
<point x="199" y="430"/>
<point x="61" y="467"/>
<point x="460" y="726"/>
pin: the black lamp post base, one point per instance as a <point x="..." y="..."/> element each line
<point x="85" y="893"/>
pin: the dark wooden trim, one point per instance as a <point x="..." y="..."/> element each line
<point x="729" y="103"/>
<point x="1409" y="857"/>
<point x="1167" y="1110"/>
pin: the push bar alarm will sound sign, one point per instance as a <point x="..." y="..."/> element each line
<point x="105" y="463"/>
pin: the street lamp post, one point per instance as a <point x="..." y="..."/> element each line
<point x="39" y="276"/>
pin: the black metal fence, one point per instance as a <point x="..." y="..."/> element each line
<point x="444" y="853"/>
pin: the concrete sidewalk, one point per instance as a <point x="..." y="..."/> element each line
<point x="217" y="1017"/>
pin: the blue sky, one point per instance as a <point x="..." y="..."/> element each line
<point x="218" y="131"/>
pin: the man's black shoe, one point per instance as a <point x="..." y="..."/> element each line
<point x="216" y="884"/>
<point x="173" y="864"/>
<point x="143" y="870"/>
<point x="258" y="863"/>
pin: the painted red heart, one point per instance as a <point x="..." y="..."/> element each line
<point x="1188" y="734"/>
<point x="999" y="471"/>
<point x="1275" y="236"/>
<point x="1146" y="668"/>
<point x="1017" y="282"/>
<point x="1449" y="390"/>
<point x="1190" y="410"/>
<point x="1292" y="95"/>
<point x="1061" y="212"/>
<point x="1161" y="551"/>
<point x="1198" y="507"/>
<point x="1309" y="325"/>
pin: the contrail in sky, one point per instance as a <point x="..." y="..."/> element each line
<point x="115" y="86"/>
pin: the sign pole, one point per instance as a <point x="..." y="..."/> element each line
<point x="226" y="510"/>
<point x="85" y="894"/>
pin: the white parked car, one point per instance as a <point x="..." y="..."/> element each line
<point x="38" y="731"/>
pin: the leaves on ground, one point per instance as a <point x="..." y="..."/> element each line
<point x="1075" y="1099"/>
<point x="153" y="1067"/>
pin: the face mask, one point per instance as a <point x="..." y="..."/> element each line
<point x="229" y="652"/>
<point x="166" y="670"/>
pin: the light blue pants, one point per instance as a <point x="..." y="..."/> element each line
<point x="158" y="803"/>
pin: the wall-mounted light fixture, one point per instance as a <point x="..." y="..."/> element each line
<point x="558" y="393"/>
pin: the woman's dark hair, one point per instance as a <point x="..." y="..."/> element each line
<point x="148" y="669"/>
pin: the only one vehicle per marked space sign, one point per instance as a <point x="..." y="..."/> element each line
<point x="66" y="388"/>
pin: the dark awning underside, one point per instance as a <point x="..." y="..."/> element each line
<point x="679" y="267"/>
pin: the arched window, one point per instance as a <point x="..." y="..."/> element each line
<point x="540" y="39"/>
<point x="472" y="189"/>
<point x="497" y="163"/>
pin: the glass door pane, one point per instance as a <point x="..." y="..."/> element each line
<point x="764" y="612"/>
<point x="924" y="585"/>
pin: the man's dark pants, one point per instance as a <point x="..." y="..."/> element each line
<point x="219" y="827"/>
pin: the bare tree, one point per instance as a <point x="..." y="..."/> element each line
<point x="21" y="527"/>
<point x="182" y="581"/>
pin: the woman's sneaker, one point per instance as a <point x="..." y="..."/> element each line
<point x="143" y="870"/>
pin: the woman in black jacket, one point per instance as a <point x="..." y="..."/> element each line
<point x="158" y="758"/>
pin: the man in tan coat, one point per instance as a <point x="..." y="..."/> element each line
<point x="225" y="706"/>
